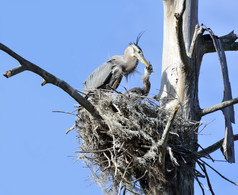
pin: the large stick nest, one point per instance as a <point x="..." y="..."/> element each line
<point x="119" y="149"/>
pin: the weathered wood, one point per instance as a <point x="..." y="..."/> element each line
<point x="48" y="78"/>
<point x="227" y="41"/>
<point x="164" y="138"/>
<point x="228" y="112"/>
<point x="219" y="106"/>
<point x="179" y="84"/>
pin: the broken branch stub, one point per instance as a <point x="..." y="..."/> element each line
<point x="228" y="112"/>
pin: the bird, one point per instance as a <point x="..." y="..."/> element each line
<point x="109" y="75"/>
<point x="144" y="91"/>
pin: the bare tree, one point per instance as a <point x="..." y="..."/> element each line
<point x="157" y="148"/>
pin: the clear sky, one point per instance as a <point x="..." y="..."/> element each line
<point x="70" y="39"/>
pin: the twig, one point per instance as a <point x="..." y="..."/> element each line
<point x="94" y="151"/>
<point x="202" y="166"/>
<point x="217" y="107"/>
<point x="200" y="184"/>
<point x="70" y="129"/>
<point x="134" y="181"/>
<point x="123" y="178"/>
<point x="219" y="173"/>
<point x="214" y="147"/>
<point x="198" y="174"/>
<point x="63" y="112"/>
<point x="172" y="158"/>
<point x="108" y="160"/>
<point x="48" y="78"/>
<point x="206" y="153"/>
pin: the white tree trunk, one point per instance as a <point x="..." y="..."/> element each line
<point x="172" y="77"/>
<point x="179" y="82"/>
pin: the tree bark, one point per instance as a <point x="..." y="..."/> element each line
<point x="179" y="83"/>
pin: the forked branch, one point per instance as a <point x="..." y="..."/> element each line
<point x="48" y="78"/>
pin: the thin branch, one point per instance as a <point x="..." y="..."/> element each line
<point x="179" y="34"/>
<point x="203" y="168"/>
<point x="134" y="181"/>
<point x="217" y="107"/>
<point x="172" y="158"/>
<point x="162" y="143"/>
<point x="200" y="184"/>
<point x="218" y="173"/>
<point x="214" y="147"/>
<point x="48" y="78"/>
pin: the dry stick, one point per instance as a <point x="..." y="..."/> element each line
<point x="163" y="141"/>
<point x="48" y="78"/>
<point x="123" y="178"/>
<point x="200" y="184"/>
<point x="134" y="181"/>
<point x="214" y="147"/>
<point x="218" y="106"/>
<point x="209" y="156"/>
<point x="202" y="166"/>
<point x="218" y="173"/>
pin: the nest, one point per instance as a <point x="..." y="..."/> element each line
<point x="119" y="149"/>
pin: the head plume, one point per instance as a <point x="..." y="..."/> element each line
<point x="138" y="39"/>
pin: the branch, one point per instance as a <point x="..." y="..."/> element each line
<point x="228" y="112"/>
<point x="203" y="168"/>
<point x="48" y="78"/>
<point x="179" y="33"/>
<point x="218" y="173"/>
<point x="228" y="43"/>
<point x="217" y="107"/>
<point x="164" y="138"/>
<point x="214" y="147"/>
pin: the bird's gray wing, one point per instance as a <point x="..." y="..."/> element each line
<point x="99" y="77"/>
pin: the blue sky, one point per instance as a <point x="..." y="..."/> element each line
<point x="70" y="39"/>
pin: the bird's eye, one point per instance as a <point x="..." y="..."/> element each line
<point x="139" y="51"/>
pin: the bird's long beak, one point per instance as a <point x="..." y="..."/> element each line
<point x="142" y="60"/>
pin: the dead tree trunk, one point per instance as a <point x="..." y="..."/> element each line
<point x="132" y="141"/>
<point x="179" y="83"/>
<point x="183" y="49"/>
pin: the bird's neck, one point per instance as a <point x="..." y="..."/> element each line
<point x="146" y="83"/>
<point x="130" y="65"/>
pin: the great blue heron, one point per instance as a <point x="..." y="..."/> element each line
<point x="109" y="75"/>
<point x="144" y="91"/>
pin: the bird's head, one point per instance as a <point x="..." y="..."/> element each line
<point x="149" y="69"/>
<point x="135" y="51"/>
